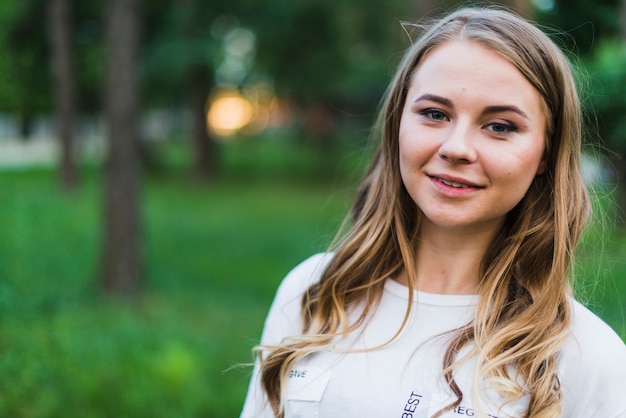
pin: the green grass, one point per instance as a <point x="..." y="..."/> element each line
<point x="213" y="256"/>
<point x="600" y="269"/>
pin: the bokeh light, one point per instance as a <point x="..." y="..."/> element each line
<point x="228" y="112"/>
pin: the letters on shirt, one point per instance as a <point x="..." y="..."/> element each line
<point x="414" y="400"/>
<point x="469" y="412"/>
<point x="411" y="405"/>
<point x="300" y="374"/>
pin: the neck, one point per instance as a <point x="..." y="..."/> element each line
<point x="448" y="260"/>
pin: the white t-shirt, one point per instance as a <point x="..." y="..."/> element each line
<point x="403" y="379"/>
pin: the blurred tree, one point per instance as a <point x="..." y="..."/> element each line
<point x="200" y="81"/>
<point x="26" y="90"/>
<point x="49" y="68"/>
<point x="121" y="257"/>
<point x="61" y="29"/>
<point x="180" y="59"/>
<point x="205" y="146"/>
<point x="88" y="41"/>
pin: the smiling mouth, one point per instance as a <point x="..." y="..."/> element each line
<point x="453" y="183"/>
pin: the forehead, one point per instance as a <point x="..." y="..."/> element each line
<point x="472" y="71"/>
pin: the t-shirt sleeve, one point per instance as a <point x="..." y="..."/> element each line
<point x="282" y="321"/>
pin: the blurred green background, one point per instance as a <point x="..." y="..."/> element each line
<point x="249" y="133"/>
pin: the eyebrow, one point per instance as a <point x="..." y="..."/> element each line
<point x="506" y="108"/>
<point x="434" y="98"/>
<point x="488" y="110"/>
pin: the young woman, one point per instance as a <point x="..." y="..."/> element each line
<point x="449" y="295"/>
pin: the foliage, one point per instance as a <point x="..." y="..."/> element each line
<point x="89" y="54"/>
<point x="607" y="74"/>
<point x="25" y="56"/>
<point x="578" y="25"/>
<point x="24" y="86"/>
<point x="336" y="52"/>
<point x="177" y="37"/>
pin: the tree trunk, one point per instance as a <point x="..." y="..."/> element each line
<point x="121" y="248"/>
<point x="204" y="146"/>
<point x="200" y="82"/>
<point x="25" y="124"/>
<point x="60" y="20"/>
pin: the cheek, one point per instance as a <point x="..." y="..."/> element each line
<point x="413" y="149"/>
<point x="517" y="174"/>
<point x="404" y="163"/>
<point x="410" y="157"/>
<point x="405" y="151"/>
<point x="407" y="163"/>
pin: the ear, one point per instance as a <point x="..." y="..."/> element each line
<point x="542" y="167"/>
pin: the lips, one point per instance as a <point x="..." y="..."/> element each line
<point x="452" y="183"/>
<point x="457" y="183"/>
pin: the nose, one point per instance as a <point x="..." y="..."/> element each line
<point x="458" y="144"/>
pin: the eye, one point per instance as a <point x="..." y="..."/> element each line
<point x="501" y="128"/>
<point x="434" y="114"/>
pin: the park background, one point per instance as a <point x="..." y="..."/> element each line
<point x="164" y="163"/>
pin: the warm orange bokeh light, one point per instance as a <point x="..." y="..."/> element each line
<point x="229" y="112"/>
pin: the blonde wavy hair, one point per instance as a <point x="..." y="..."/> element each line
<point x="523" y="316"/>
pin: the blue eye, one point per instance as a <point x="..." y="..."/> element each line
<point x="501" y="128"/>
<point x="434" y="114"/>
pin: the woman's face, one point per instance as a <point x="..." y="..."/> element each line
<point x="471" y="137"/>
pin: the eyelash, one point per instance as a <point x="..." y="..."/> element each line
<point x="430" y="112"/>
<point x="506" y="127"/>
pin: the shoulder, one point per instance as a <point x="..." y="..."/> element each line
<point x="283" y="321"/>
<point x="593" y="367"/>
<point x="303" y="276"/>
<point x="284" y="318"/>
<point x="591" y="335"/>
